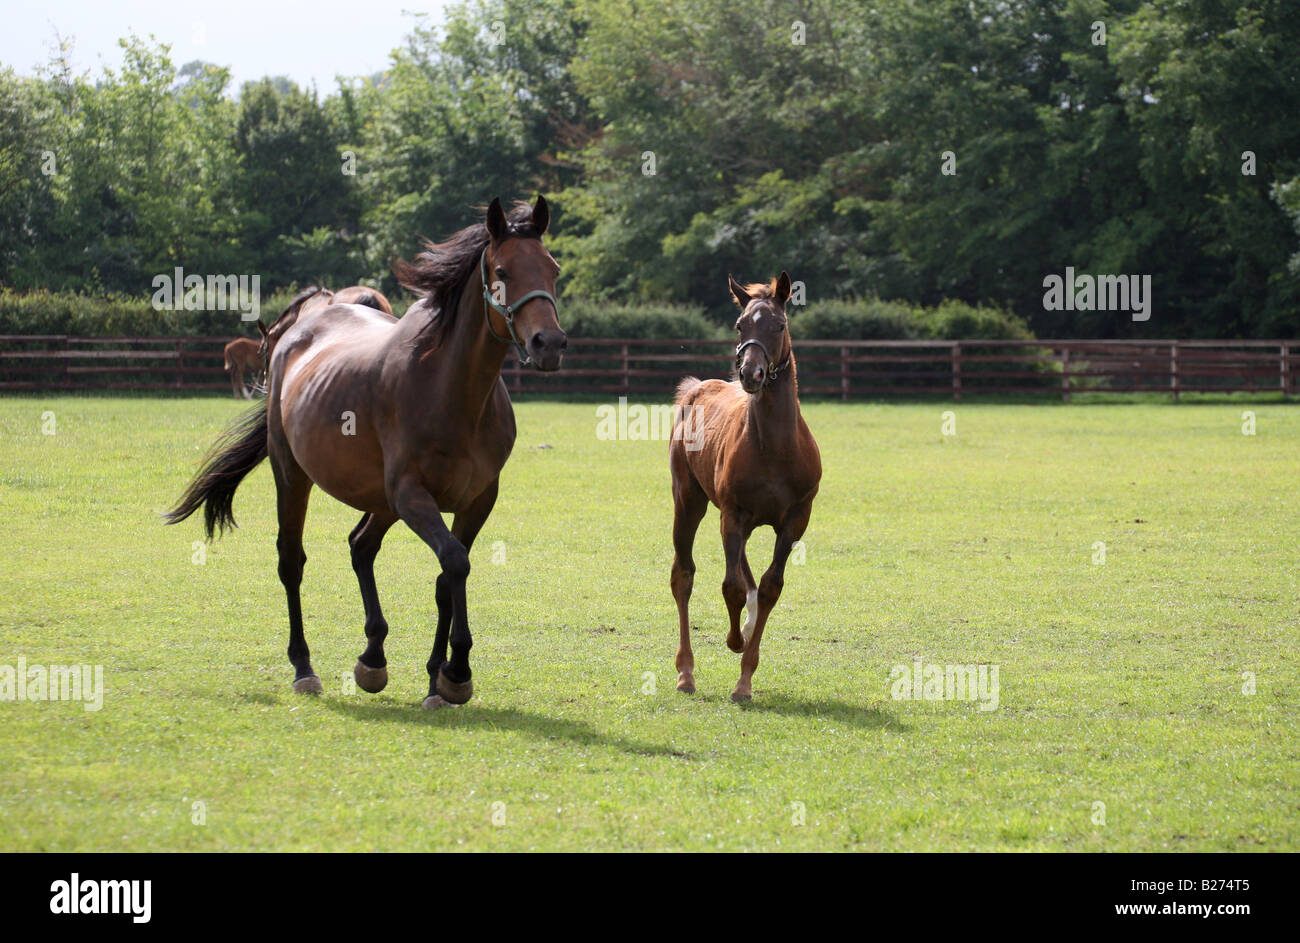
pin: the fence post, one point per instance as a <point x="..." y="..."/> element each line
<point x="67" y="360"/>
<point x="844" y="374"/>
<point x="956" y="371"/>
<point x="180" y="364"/>
<point x="1065" y="374"/>
<point x="627" y="388"/>
<point x="1285" y="368"/>
<point x="1173" y="368"/>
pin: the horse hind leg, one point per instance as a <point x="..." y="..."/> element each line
<point x="371" y="670"/>
<point x="689" y="505"/>
<point x="292" y="490"/>
<point x="751" y="599"/>
<point x="735" y="585"/>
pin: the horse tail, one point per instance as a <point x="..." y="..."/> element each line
<point x="235" y="453"/>
<point x="685" y="388"/>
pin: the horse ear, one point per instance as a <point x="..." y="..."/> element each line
<point x="737" y="291"/>
<point x="496" y="221"/>
<point x="541" y="215"/>
<point x="261" y="328"/>
<point x="783" y="288"/>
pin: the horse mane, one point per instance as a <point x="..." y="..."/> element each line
<point x="761" y="289"/>
<point x="440" y="271"/>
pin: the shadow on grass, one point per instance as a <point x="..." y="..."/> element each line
<point x="502" y="718"/>
<point x="866" y="716"/>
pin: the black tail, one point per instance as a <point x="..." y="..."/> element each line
<point x="236" y="453"/>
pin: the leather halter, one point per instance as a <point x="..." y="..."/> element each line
<point x="774" y="369"/>
<point x="509" y="311"/>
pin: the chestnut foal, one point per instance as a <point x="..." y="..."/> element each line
<point x="744" y="446"/>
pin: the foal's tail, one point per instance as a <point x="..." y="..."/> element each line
<point x="236" y="453"/>
<point x="684" y="389"/>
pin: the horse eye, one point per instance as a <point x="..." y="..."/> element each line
<point x="501" y="273"/>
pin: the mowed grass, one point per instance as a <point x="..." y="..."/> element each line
<point x="1120" y="683"/>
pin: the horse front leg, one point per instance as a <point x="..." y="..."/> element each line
<point x="769" y="591"/>
<point x="450" y="682"/>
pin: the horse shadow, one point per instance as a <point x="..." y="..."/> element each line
<point x="863" y="716"/>
<point x="502" y="718"/>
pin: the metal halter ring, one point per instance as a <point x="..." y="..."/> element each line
<point x="508" y="311"/>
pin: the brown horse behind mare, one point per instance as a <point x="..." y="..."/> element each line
<point x="243" y="360"/>
<point x="744" y="446"/>
<point x="401" y="419"/>
<point x="245" y="357"/>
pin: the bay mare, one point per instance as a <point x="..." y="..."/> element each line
<point x="402" y="420"/>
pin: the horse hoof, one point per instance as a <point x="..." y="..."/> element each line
<point x="308" y="685"/>
<point x="435" y="701"/>
<point x="454" y="692"/>
<point x="370" y="680"/>
<point x="735" y="642"/>
<point x="686" y="685"/>
<point x="741" y="697"/>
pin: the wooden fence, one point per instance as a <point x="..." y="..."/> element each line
<point x="842" y="369"/>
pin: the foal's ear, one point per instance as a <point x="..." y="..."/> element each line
<point x="496" y="221"/>
<point x="261" y="328"/>
<point x="737" y="291"/>
<point x="541" y="215"/>
<point x="782" y="294"/>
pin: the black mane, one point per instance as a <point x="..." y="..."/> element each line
<point x="440" y="271"/>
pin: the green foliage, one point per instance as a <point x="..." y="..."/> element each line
<point x="686" y="140"/>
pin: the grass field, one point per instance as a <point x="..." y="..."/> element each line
<point x="1121" y="683"/>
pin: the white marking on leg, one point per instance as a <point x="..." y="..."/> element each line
<point x="751" y="617"/>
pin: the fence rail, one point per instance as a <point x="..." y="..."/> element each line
<point x="843" y="369"/>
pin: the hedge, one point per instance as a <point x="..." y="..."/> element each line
<point x="875" y="319"/>
<point x="43" y="312"/>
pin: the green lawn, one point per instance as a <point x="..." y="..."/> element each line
<point x="1120" y="683"/>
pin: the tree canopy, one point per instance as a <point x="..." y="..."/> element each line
<point x="918" y="150"/>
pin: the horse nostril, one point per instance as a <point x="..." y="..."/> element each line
<point x="564" y="342"/>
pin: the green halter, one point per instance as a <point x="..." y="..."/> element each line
<point x="508" y="311"/>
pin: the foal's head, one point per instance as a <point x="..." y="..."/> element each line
<point x="520" y="277"/>
<point x="763" y="353"/>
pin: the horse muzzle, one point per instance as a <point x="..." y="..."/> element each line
<point x="752" y="377"/>
<point x="546" y="349"/>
